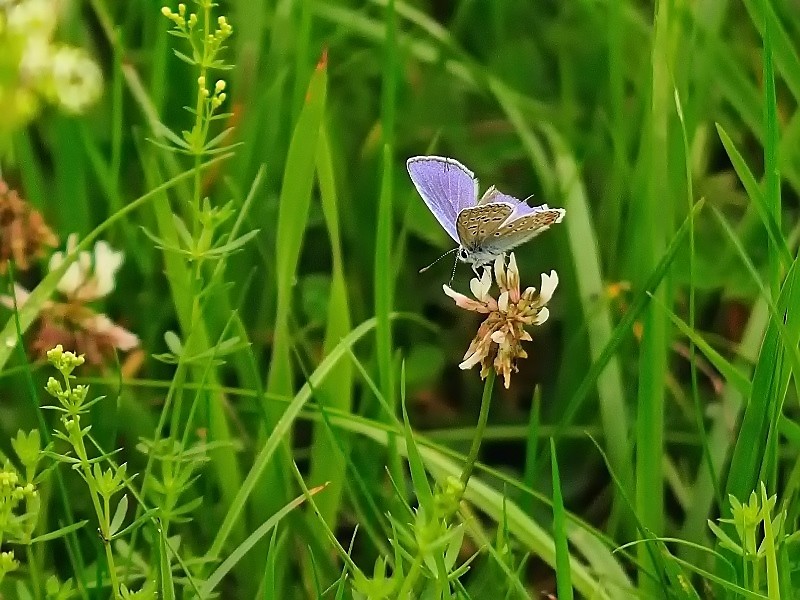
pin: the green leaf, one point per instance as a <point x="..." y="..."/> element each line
<point x="119" y="515"/>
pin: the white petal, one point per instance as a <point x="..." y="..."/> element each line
<point x="549" y="284"/>
<point x="500" y="271"/>
<point x="480" y="287"/>
<point x="72" y="243"/>
<point x="543" y="315"/>
<point x="499" y="336"/>
<point x="121" y="338"/>
<point x="71" y="280"/>
<point x="107" y="262"/>
<point x="470" y="361"/>
<point x="56" y="261"/>
<point x="502" y="302"/>
<point x="21" y="295"/>
<point x="512" y="274"/>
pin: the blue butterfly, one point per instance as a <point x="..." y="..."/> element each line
<point x="484" y="228"/>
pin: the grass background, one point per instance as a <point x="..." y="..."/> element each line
<point x="673" y="339"/>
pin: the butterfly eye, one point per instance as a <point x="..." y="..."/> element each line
<point x="462" y="254"/>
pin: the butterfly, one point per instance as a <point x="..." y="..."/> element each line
<point x="484" y="228"/>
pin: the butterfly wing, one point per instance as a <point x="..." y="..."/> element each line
<point x="446" y="186"/>
<point x="475" y="224"/>
<point x="519" y="229"/>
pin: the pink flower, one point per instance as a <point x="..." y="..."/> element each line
<point x="498" y="342"/>
<point x="70" y="321"/>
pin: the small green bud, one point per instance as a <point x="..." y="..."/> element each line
<point x="219" y="86"/>
<point x="54" y="355"/>
<point x="8" y="478"/>
<point x="7" y="562"/>
<point x="54" y="388"/>
<point x="165" y="10"/>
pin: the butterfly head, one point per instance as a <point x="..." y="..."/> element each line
<point x="463" y="255"/>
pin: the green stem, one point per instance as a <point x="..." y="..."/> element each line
<point x="411" y="578"/>
<point x="483" y="417"/>
<point x="102" y="511"/>
<point x="112" y="571"/>
<point x="33" y="569"/>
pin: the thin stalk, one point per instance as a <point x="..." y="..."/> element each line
<point x="483" y="417"/>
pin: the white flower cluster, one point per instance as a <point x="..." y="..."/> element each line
<point x="34" y="68"/>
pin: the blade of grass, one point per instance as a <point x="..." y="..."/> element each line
<point x="698" y="408"/>
<point x="234" y="557"/>
<point x="338" y="390"/>
<point x="652" y="225"/>
<point x="563" y="577"/>
<point x="383" y="269"/>
<point x="770" y="383"/>
<point x="730" y="372"/>
<point x="772" y="176"/>
<point x="777" y="241"/>
<point x="293" y="210"/>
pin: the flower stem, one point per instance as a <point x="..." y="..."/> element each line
<point x="483" y="417"/>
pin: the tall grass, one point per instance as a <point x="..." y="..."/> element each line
<point x="294" y="422"/>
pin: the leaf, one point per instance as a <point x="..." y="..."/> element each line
<point x="61" y="532"/>
<point x="119" y="515"/>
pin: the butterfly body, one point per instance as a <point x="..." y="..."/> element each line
<point x="484" y="228"/>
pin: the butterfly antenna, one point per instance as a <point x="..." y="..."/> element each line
<point x="453" y="274"/>
<point x="423" y="269"/>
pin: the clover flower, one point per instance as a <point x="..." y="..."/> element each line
<point x="23" y="233"/>
<point x="498" y="342"/>
<point x="77" y="80"/>
<point x="35" y="69"/>
<point x="71" y="321"/>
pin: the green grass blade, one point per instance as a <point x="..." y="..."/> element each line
<point x="758" y="198"/>
<point x="730" y="372"/>
<point x="328" y="461"/>
<point x="294" y="204"/>
<point x="234" y="557"/>
<point x="772" y="174"/>
<point x="293" y="210"/>
<point x="563" y="577"/>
